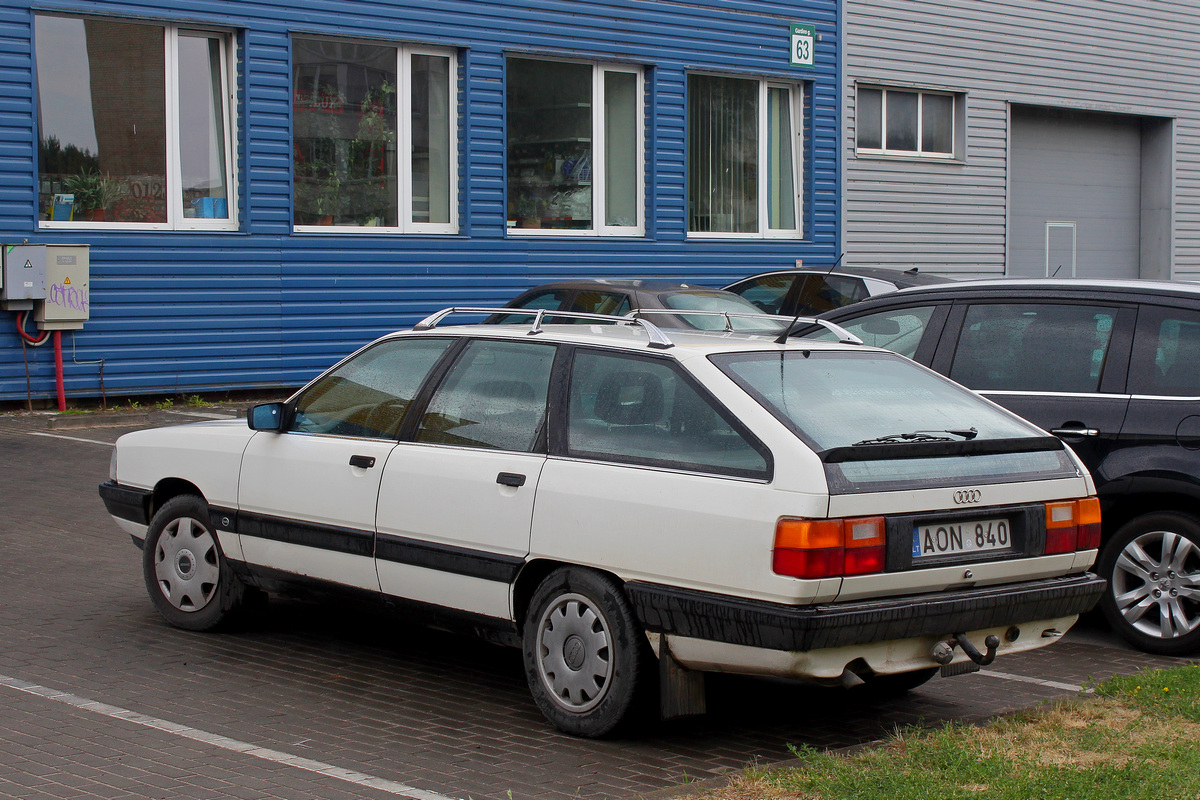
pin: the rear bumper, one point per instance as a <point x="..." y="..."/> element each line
<point x="750" y="623"/>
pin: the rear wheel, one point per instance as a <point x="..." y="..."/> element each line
<point x="186" y="575"/>
<point x="1152" y="566"/>
<point x="584" y="653"/>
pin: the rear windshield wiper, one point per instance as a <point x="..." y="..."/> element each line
<point x="919" y="436"/>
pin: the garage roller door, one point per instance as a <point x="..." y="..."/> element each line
<point x="1075" y="193"/>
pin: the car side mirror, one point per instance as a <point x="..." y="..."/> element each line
<point x="881" y="327"/>
<point x="266" y="417"/>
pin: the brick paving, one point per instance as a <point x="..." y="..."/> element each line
<point x="350" y="688"/>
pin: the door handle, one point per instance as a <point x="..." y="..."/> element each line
<point x="363" y="462"/>
<point x="1075" y="432"/>
<point x="510" y="479"/>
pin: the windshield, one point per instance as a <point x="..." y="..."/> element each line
<point x="719" y="301"/>
<point x="880" y="420"/>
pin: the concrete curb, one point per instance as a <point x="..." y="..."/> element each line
<point x="97" y="420"/>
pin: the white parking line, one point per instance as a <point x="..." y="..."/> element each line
<point x="71" y="438"/>
<point x="223" y="742"/>
<point x="1008" y="676"/>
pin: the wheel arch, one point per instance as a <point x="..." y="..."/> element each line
<point x="1121" y="508"/>
<point x="532" y="575"/>
<point x="168" y="489"/>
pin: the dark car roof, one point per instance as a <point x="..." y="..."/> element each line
<point x="901" y="278"/>
<point x="639" y="284"/>
<point x="1133" y="288"/>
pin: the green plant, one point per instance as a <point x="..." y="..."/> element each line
<point x="195" y="401"/>
<point x="164" y="404"/>
<point x="94" y="191"/>
<point x="133" y="405"/>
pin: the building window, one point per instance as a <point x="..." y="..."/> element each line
<point x="744" y="156"/>
<point x="134" y="125"/>
<point x="574" y="148"/>
<point x="375" y="139"/>
<point x="906" y="122"/>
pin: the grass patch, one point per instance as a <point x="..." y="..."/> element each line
<point x="1137" y="738"/>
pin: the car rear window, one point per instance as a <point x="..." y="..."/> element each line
<point x="880" y="421"/>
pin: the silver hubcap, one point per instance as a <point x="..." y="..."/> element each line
<point x="185" y="564"/>
<point x="574" y="659"/>
<point x="1156" y="584"/>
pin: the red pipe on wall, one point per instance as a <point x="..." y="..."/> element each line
<point x="58" y="372"/>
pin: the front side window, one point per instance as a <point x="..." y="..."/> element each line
<point x="135" y="127"/>
<point x="368" y="394"/>
<point x="374" y="137"/>
<point x="494" y="397"/>
<point x="1033" y="347"/>
<point x="574" y="147"/>
<point x="905" y="122"/>
<point x="743" y="154"/>
<point x="644" y="411"/>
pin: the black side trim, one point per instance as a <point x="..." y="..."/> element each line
<point x="126" y="503"/>
<point x="446" y="558"/>
<point x="491" y="629"/>
<point x="774" y="626"/>
<point x="323" y="537"/>
<point x="973" y="447"/>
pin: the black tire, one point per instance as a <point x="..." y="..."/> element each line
<point x="586" y="657"/>
<point x="186" y="574"/>
<point x="1152" y="565"/>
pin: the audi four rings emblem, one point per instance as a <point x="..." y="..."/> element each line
<point x="967" y="496"/>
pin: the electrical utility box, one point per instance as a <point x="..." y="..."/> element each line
<point x="68" y="272"/>
<point x="24" y="276"/>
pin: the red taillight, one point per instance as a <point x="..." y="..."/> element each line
<point x="824" y="548"/>
<point x="1072" y="525"/>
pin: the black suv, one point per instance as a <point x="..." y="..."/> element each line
<point x="1113" y="369"/>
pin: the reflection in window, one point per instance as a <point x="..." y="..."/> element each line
<point x="743" y="160"/>
<point x="1033" y="347"/>
<point x="1166" y="356"/>
<point x="905" y="121"/>
<point x="557" y="178"/>
<point x="366" y="155"/>
<point x="493" y="397"/>
<point x="899" y="331"/>
<point x="105" y="137"/>
<point x="370" y="393"/>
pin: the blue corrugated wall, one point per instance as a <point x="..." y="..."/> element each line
<point x="266" y="307"/>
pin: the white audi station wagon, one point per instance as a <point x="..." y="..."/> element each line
<point x="632" y="509"/>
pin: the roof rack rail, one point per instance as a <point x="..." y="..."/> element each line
<point x="657" y="339"/>
<point x="844" y="336"/>
<point x="787" y="323"/>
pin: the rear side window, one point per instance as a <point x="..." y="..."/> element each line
<point x="820" y="293"/>
<point x="1166" y="355"/>
<point x="767" y="293"/>
<point x="493" y="397"/>
<point x="1033" y="347"/>
<point x="898" y="330"/>
<point x="592" y="302"/>
<point x="645" y="411"/>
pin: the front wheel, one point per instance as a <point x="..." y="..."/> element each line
<point x="186" y="575"/>
<point x="1152" y="565"/>
<point x="584" y="652"/>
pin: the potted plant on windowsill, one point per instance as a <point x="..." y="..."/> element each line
<point x="94" y="193"/>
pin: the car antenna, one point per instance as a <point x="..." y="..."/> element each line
<point x="783" y="337"/>
<point x="1056" y="269"/>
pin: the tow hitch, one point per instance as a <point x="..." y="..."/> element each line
<point x="943" y="652"/>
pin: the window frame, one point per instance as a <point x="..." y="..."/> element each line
<point x="599" y="159"/>
<point x="797" y="95"/>
<point x="404" y="140"/>
<point x="172" y="175"/>
<point x="560" y="421"/>
<point x="956" y="99"/>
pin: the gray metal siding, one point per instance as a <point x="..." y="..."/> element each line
<point x="1118" y="56"/>
<point x="264" y="306"/>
